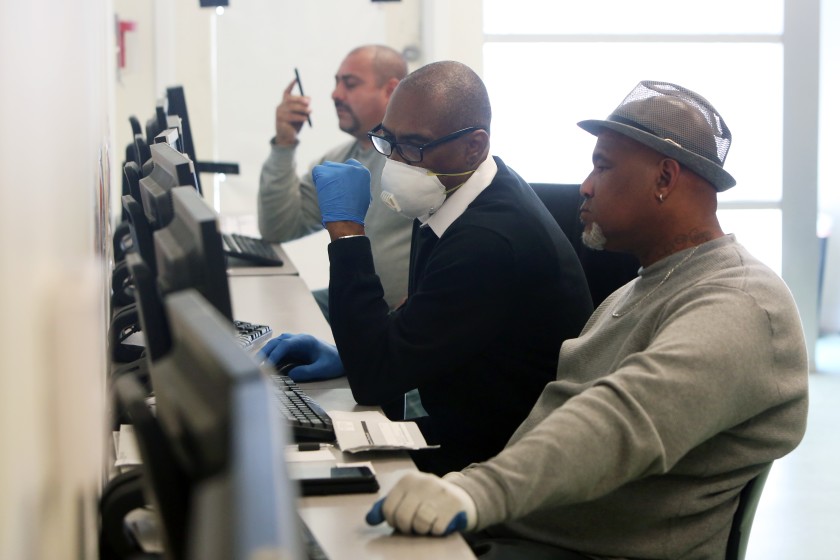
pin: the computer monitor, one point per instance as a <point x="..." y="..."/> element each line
<point x="171" y="135"/>
<point x="141" y="232"/>
<point x="213" y="452"/>
<point x="170" y="168"/>
<point x="157" y="122"/>
<point x="176" y="104"/>
<point x="149" y="302"/>
<point x="189" y="251"/>
<point x="141" y="151"/>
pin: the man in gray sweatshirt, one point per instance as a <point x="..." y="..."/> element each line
<point x="684" y="384"/>
<point x="288" y="206"/>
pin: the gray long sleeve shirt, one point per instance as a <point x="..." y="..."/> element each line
<point x="288" y="209"/>
<point x="659" y="416"/>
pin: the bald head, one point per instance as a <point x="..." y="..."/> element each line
<point x="385" y="62"/>
<point x="443" y="108"/>
<point x="452" y="93"/>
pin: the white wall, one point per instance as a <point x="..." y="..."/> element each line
<point x="56" y="62"/>
<point x="135" y="88"/>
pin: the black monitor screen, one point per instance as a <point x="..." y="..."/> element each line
<point x="214" y="409"/>
<point x="171" y="136"/>
<point x="176" y="104"/>
<point x="189" y="252"/>
<point x="170" y="169"/>
<point x="153" y="322"/>
<point x="157" y="122"/>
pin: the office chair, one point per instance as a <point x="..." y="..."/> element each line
<point x="143" y="152"/>
<point x="121" y="495"/>
<point x="605" y="271"/>
<point x="736" y="547"/>
<point x="136" y="128"/>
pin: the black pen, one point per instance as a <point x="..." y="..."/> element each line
<point x="300" y="87"/>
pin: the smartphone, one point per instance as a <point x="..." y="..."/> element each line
<point x="300" y="89"/>
<point x="317" y="480"/>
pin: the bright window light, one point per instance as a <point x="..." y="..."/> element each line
<point x="551" y="63"/>
<point x="535" y="113"/>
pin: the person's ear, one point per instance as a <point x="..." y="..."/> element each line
<point x="390" y="86"/>
<point x="476" y="147"/>
<point x="669" y="170"/>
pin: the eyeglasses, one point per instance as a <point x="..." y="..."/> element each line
<point x="411" y="152"/>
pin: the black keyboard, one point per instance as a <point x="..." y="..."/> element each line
<point x="309" y="422"/>
<point x="253" y="249"/>
<point x="248" y="333"/>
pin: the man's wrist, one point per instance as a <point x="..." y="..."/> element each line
<point x="342" y="229"/>
<point x="274" y="143"/>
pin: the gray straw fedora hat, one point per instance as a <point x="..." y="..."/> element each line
<point x="675" y="122"/>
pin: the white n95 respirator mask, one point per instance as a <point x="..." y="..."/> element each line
<point x="414" y="191"/>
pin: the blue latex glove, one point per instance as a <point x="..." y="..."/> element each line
<point x="343" y="191"/>
<point x="318" y="359"/>
<point x="424" y="504"/>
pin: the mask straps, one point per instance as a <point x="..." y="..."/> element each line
<point x="456" y="187"/>
<point x="461" y="174"/>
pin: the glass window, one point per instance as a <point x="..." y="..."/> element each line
<point x="535" y="112"/>
<point x="647" y="17"/>
<point x="551" y="63"/>
<point x="760" y="231"/>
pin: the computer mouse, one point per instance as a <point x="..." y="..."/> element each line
<point x="284" y="367"/>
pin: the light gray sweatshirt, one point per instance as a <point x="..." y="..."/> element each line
<point x="659" y="416"/>
<point x="287" y="209"/>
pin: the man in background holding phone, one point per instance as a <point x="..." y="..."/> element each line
<point x="287" y="206"/>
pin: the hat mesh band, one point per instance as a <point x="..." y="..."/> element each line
<point x="674" y="113"/>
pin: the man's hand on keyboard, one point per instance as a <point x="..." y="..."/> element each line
<point x="423" y="504"/>
<point x="343" y="191"/>
<point x="318" y="360"/>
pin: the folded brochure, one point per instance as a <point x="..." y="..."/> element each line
<point x="371" y="430"/>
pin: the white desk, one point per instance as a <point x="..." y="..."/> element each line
<point x="282" y="302"/>
<point x="338" y="522"/>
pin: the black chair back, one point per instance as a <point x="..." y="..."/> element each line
<point x="605" y="271"/>
<point x="736" y="547"/>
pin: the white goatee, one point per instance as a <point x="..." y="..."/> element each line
<point x="594" y="237"/>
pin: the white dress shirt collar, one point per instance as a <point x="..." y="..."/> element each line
<point x="457" y="202"/>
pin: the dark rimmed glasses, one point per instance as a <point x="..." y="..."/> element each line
<point x="411" y="152"/>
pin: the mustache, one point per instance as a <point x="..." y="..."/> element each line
<point x="340" y="105"/>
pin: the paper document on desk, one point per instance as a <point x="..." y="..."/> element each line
<point x="128" y="453"/>
<point x="372" y="431"/>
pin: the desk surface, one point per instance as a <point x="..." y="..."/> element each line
<point x="286" y="304"/>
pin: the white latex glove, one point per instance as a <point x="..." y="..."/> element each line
<point x="424" y="504"/>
